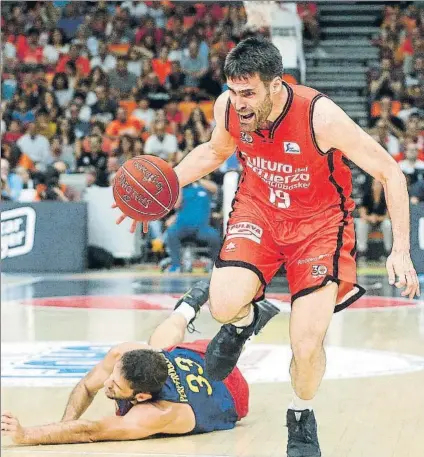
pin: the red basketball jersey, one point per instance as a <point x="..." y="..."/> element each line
<point x="283" y="168"/>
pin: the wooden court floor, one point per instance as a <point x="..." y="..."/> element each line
<point x="371" y="402"/>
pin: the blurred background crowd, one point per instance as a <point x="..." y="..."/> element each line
<point x="88" y="85"/>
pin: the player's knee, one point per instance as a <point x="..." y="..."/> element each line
<point x="222" y="309"/>
<point x="307" y="349"/>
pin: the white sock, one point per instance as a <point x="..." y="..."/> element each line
<point x="186" y="310"/>
<point x="298" y="404"/>
<point x="247" y="320"/>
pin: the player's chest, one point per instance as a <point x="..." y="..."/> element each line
<point x="282" y="148"/>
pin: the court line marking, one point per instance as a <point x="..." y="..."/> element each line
<point x="127" y="454"/>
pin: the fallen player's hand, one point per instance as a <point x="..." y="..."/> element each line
<point x="399" y="265"/>
<point x="133" y="227"/>
<point x="10" y="426"/>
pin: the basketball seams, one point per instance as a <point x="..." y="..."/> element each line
<point x="116" y="193"/>
<point x="145" y="190"/>
<point x="163" y="175"/>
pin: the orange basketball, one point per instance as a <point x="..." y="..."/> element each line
<point x="145" y="188"/>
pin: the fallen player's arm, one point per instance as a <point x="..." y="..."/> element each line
<point x="334" y="129"/>
<point x="84" y="392"/>
<point x="140" y="422"/>
<point x="207" y="157"/>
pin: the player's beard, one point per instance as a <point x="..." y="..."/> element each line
<point x="260" y="117"/>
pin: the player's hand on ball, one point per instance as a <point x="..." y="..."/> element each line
<point x="133" y="227"/>
<point x="10" y="426"/>
<point x="399" y="265"/>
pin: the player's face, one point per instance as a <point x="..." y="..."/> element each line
<point x="117" y="387"/>
<point x="251" y="100"/>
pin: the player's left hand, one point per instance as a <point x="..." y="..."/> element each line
<point x="10" y="426"/>
<point x="399" y="266"/>
<point x="133" y="227"/>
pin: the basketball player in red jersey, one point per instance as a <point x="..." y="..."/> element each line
<point x="293" y="207"/>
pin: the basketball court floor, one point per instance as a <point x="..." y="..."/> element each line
<point x="371" y="402"/>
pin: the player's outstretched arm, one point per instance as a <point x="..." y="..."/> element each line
<point x="84" y="392"/>
<point x="140" y="422"/>
<point x="207" y="157"/>
<point x="334" y="129"/>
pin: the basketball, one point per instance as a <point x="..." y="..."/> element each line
<point x="145" y="188"/>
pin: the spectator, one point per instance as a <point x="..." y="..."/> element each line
<point x="62" y="89"/>
<point x="104" y="108"/>
<point x="30" y="52"/>
<point x="187" y="144"/>
<point x="50" y="105"/>
<point x="135" y="63"/>
<point x="16" y="157"/>
<point x="385" y="138"/>
<point x="162" y="65"/>
<point x="80" y="127"/>
<point x="412" y="167"/>
<point x="416" y="78"/>
<point x="125" y="150"/>
<point x="82" y="64"/>
<point x="193" y="220"/>
<point x="36" y="147"/>
<point x="23" y="113"/>
<point x="105" y="60"/>
<point x="11" y="183"/>
<point x="95" y="158"/>
<point x="395" y="124"/>
<point x="155" y="93"/>
<point x="198" y="123"/>
<point x="373" y="213"/>
<point x="44" y="125"/>
<point x="173" y="116"/>
<point x="13" y="133"/>
<point x="176" y="80"/>
<point x="194" y="66"/>
<point x="121" y="79"/>
<point x="144" y="113"/>
<point x="55" y="47"/>
<point x="112" y="167"/>
<point x="162" y="144"/>
<point x="62" y="152"/>
<point x="124" y="125"/>
<point x="97" y="78"/>
<point x="212" y="82"/>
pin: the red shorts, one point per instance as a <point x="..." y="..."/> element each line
<point x="235" y="382"/>
<point x="314" y="251"/>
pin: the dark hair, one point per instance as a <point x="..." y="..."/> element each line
<point x="145" y="370"/>
<point x="62" y="76"/>
<point x="254" y="55"/>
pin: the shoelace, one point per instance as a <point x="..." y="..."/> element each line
<point x="306" y="433"/>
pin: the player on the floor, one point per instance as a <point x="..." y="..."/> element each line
<point x="160" y="388"/>
<point x="292" y="207"/>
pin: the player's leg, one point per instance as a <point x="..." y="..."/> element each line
<point x="248" y="260"/>
<point x="386" y="228"/>
<point x="321" y="272"/>
<point x="310" y="317"/>
<point x="172" y="330"/>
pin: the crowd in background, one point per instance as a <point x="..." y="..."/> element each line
<point x="88" y="85"/>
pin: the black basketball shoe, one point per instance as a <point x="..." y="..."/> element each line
<point x="224" y="350"/>
<point x="303" y="438"/>
<point x="196" y="297"/>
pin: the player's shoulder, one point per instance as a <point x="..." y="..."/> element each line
<point x="222" y="101"/>
<point x="304" y="92"/>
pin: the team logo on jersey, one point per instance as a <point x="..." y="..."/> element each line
<point x="246" y="138"/>
<point x="291" y="148"/>
<point x="231" y="247"/>
<point x="319" y="270"/>
<point x="245" y="230"/>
